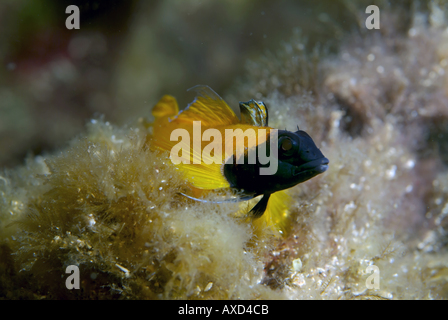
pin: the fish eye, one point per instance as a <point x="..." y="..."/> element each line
<point x="286" y="146"/>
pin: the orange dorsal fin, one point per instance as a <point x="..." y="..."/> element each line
<point x="212" y="111"/>
<point x="166" y="107"/>
<point x="209" y="108"/>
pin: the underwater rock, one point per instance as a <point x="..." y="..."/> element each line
<point x="371" y="227"/>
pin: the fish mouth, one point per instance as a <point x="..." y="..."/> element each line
<point x="316" y="166"/>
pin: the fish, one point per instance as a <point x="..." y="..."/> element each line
<point x="266" y="163"/>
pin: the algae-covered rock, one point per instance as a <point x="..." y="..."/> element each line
<point x="372" y="227"/>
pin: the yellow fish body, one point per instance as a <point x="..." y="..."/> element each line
<point x="222" y="154"/>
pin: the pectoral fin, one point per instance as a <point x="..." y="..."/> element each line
<point x="277" y="214"/>
<point x="209" y="108"/>
<point x="258" y="210"/>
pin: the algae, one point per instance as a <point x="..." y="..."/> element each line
<point x="377" y="108"/>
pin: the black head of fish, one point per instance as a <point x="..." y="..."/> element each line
<point x="298" y="159"/>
